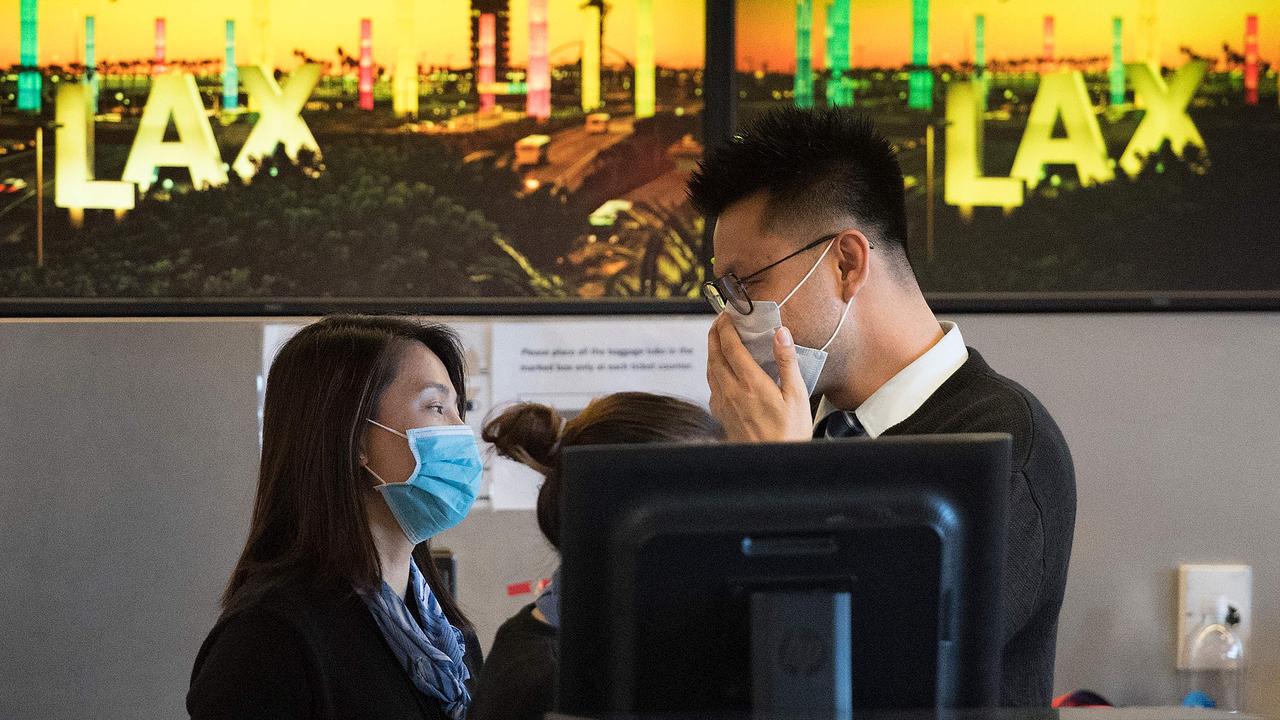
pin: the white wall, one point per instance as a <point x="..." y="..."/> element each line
<point x="128" y="452"/>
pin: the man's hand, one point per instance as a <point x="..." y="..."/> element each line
<point x="746" y="401"/>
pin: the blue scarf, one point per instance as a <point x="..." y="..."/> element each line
<point x="432" y="655"/>
<point x="548" y="602"/>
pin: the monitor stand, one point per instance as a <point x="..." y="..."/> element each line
<point x="801" y="655"/>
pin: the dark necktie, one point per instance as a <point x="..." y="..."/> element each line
<point x="841" y="424"/>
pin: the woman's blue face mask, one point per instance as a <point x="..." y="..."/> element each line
<point x="444" y="483"/>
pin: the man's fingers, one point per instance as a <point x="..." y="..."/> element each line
<point x="716" y="362"/>
<point x="718" y="403"/>
<point x="736" y="356"/>
<point x="789" y="377"/>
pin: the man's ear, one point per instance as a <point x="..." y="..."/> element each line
<point x="853" y="256"/>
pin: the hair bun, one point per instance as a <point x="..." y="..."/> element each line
<point x="528" y="433"/>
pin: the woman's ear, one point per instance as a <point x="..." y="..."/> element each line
<point x="853" y="256"/>
<point x="362" y="451"/>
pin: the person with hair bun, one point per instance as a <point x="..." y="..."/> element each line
<point x="518" y="679"/>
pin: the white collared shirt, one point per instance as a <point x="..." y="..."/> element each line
<point x="905" y="392"/>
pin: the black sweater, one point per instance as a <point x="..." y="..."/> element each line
<point x="1042" y="514"/>
<point x="519" y="677"/>
<point x="306" y="653"/>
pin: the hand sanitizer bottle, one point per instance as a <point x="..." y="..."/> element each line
<point x="1211" y="671"/>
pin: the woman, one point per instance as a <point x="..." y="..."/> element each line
<point x="519" y="678"/>
<point x="364" y="455"/>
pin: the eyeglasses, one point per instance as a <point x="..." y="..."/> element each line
<point x="731" y="290"/>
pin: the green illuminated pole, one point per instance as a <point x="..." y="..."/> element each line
<point x="230" y="74"/>
<point x="804" y="60"/>
<point x="980" y="49"/>
<point x="921" y="89"/>
<point x="840" y="86"/>
<point x="90" y="64"/>
<point x="1117" y="61"/>
<point x="29" y="57"/>
<point x="980" y="65"/>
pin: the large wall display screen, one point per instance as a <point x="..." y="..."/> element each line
<point x="1113" y="146"/>
<point x="384" y="149"/>
<point x="429" y="150"/>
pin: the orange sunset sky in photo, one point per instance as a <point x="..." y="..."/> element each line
<point x="880" y="29"/>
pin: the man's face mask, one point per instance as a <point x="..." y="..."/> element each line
<point x="757" y="329"/>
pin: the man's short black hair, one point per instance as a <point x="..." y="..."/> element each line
<point x="810" y="163"/>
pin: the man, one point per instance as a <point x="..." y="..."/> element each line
<point x="810" y="214"/>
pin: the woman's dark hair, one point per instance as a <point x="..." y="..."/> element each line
<point x="534" y="434"/>
<point x="309" y="522"/>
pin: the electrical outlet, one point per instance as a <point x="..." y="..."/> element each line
<point x="1201" y="585"/>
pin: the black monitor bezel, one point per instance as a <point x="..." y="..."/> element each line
<point x="607" y="490"/>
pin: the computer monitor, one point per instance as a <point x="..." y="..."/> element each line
<point x="793" y="579"/>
